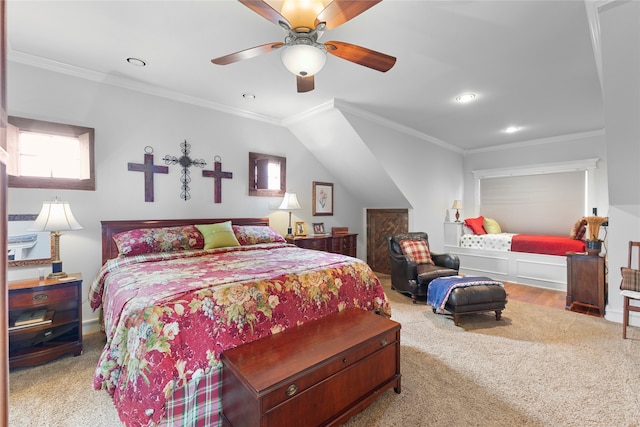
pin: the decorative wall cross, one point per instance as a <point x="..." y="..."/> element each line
<point x="217" y="175"/>
<point x="186" y="162"/>
<point x="149" y="170"/>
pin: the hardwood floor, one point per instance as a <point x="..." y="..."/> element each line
<point x="535" y="295"/>
<point x="530" y="294"/>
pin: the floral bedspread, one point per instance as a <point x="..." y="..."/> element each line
<point x="168" y="316"/>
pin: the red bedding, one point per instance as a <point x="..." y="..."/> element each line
<point x="549" y="245"/>
<point x="168" y="316"/>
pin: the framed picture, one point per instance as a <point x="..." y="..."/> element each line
<point x="301" y="229"/>
<point x="322" y="198"/>
<point x="318" y="228"/>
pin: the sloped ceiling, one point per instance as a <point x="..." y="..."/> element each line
<point x="531" y="63"/>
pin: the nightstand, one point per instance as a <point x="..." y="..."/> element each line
<point x="585" y="283"/>
<point x="39" y="343"/>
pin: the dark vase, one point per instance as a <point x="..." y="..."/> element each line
<point x="594" y="247"/>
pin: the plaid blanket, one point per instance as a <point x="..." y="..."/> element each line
<point x="440" y="288"/>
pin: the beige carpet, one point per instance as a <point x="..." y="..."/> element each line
<point x="536" y="367"/>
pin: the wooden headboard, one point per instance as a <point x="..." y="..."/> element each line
<point x="111" y="228"/>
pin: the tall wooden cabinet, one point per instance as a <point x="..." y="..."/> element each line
<point x="585" y="283"/>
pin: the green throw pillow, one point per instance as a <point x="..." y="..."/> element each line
<point x="492" y="226"/>
<point x="218" y="235"/>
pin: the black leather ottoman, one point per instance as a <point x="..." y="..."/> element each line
<point x="476" y="299"/>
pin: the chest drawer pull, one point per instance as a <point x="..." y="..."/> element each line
<point x="40" y="297"/>
<point x="291" y="390"/>
<point x="383" y="342"/>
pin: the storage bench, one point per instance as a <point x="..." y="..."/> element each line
<point x="319" y="373"/>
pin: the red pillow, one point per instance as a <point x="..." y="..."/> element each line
<point x="476" y="224"/>
<point x="417" y="249"/>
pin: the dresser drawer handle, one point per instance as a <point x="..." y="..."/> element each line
<point x="291" y="390"/>
<point x="40" y="297"/>
<point x="383" y="342"/>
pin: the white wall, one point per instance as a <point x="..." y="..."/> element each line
<point x="620" y="43"/>
<point x="125" y="122"/>
<point x="429" y="176"/>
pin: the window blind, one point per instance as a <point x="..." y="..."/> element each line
<point x="535" y="204"/>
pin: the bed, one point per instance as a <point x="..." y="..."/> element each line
<point x="170" y="311"/>
<point x="529" y="243"/>
<point x="529" y="259"/>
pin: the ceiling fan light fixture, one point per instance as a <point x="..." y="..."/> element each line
<point x="303" y="60"/>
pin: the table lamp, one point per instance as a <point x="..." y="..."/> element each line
<point x="457" y="205"/>
<point x="289" y="203"/>
<point x="55" y="216"/>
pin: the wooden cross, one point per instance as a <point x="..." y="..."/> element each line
<point x="217" y="175"/>
<point x="149" y="170"/>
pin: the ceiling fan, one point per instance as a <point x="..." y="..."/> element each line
<point x="304" y="22"/>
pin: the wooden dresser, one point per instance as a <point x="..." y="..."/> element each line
<point x="345" y="244"/>
<point x="319" y="373"/>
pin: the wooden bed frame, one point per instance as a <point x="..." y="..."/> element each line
<point x="111" y="228"/>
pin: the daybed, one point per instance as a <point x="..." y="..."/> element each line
<point x="171" y="309"/>
<point x="520" y="258"/>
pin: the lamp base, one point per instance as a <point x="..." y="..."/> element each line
<point x="289" y="233"/>
<point x="56" y="276"/>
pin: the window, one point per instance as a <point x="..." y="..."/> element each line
<point x="543" y="199"/>
<point x="50" y="155"/>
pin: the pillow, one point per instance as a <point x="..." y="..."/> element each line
<point x="164" y="239"/>
<point x="218" y="235"/>
<point x="491" y="226"/>
<point x="579" y="229"/>
<point x="418" y="250"/>
<point x="254" y="234"/>
<point x="476" y="225"/>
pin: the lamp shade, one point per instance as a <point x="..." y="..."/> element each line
<point x="289" y="202"/>
<point x="55" y="216"/>
<point x="457" y="204"/>
<point x="303" y="60"/>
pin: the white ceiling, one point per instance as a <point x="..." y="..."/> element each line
<point x="531" y="63"/>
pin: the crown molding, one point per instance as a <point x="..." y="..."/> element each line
<point x="545" y="168"/>
<point x="83" y="73"/>
<point x="348" y="108"/>
<point x="540" y="141"/>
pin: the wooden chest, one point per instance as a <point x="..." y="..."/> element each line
<point x="319" y="373"/>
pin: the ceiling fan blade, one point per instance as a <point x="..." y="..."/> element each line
<point x="340" y="11"/>
<point x="361" y="55"/>
<point x="247" y="53"/>
<point x="305" y="84"/>
<point x="267" y="12"/>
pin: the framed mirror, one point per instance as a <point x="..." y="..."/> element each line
<point x="267" y="175"/>
<point x="28" y="247"/>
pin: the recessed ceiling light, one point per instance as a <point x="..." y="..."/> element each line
<point x="249" y="96"/>
<point x="512" y="129"/>
<point x="137" y="62"/>
<point x="466" y="97"/>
